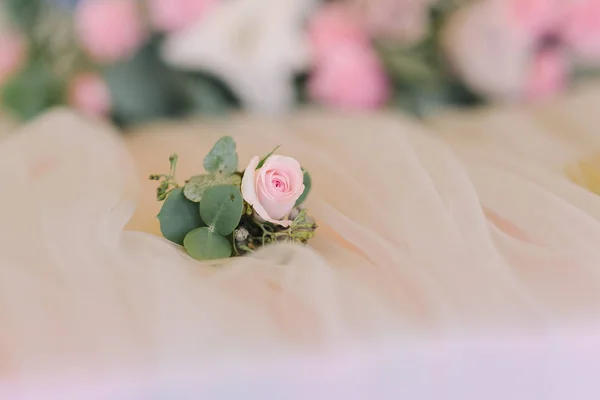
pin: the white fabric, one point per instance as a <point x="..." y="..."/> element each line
<point x="443" y="268"/>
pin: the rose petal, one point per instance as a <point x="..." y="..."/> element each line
<point x="292" y="170"/>
<point x="277" y="208"/>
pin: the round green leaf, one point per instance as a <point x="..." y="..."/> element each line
<point x="197" y="185"/>
<point x="307" y="186"/>
<point x="178" y="216"/>
<point x="223" y="158"/>
<point x="221" y="208"/>
<point x="205" y="244"/>
<point x="194" y="189"/>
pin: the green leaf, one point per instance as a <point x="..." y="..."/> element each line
<point x="205" y="96"/>
<point x="222" y="158"/>
<point x="205" y="244"/>
<point x="264" y="159"/>
<point x="307" y="186"/>
<point x="194" y="189"/>
<point x="412" y="69"/>
<point x="235" y="180"/>
<point x="144" y="88"/>
<point x="178" y="216"/>
<point x="221" y="208"/>
<point x="24" y="13"/>
<point x="33" y="91"/>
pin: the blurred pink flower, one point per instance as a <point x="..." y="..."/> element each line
<point x="109" y="30"/>
<point x="13" y="54"/>
<point x="351" y="77"/>
<point x="522" y="49"/>
<point x="332" y="26"/>
<point x="406" y="21"/>
<point x="533" y="17"/>
<point x="174" y="15"/>
<point x="582" y="30"/>
<point x="90" y="95"/>
<point x="548" y="76"/>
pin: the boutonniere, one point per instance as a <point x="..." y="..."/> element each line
<point x="227" y="213"/>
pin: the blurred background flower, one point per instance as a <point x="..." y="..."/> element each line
<point x="347" y="72"/>
<point x="350" y="78"/>
<point x="89" y="94"/>
<point x="335" y="25"/>
<point x="13" y="54"/>
<point x="174" y="15"/>
<point x="405" y="21"/>
<point x="517" y="50"/>
<point x="139" y="60"/>
<point x="65" y="4"/>
<point x="109" y="30"/>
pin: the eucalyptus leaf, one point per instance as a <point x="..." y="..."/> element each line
<point x="307" y="186"/>
<point x="194" y="189"/>
<point x="221" y="208"/>
<point x="178" y="216"/>
<point x="205" y="244"/>
<point x="222" y="158"/>
<point x="234" y="179"/>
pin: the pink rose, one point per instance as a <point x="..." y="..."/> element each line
<point x="89" y="94"/>
<point x="174" y="15"/>
<point x="332" y="26"/>
<point x="351" y="77"/>
<point x="109" y="30"/>
<point x="13" y="53"/>
<point x="273" y="189"/>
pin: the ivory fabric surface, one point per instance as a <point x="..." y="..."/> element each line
<point x="458" y="261"/>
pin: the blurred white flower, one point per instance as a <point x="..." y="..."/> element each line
<point x="487" y="55"/>
<point x="254" y="46"/>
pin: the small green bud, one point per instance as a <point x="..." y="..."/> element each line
<point x="303" y="234"/>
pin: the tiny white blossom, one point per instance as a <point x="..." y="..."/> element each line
<point x="241" y="234"/>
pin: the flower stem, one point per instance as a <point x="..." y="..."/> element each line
<point x="246" y="248"/>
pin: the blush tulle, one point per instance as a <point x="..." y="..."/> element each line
<point x="448" y="261"/>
